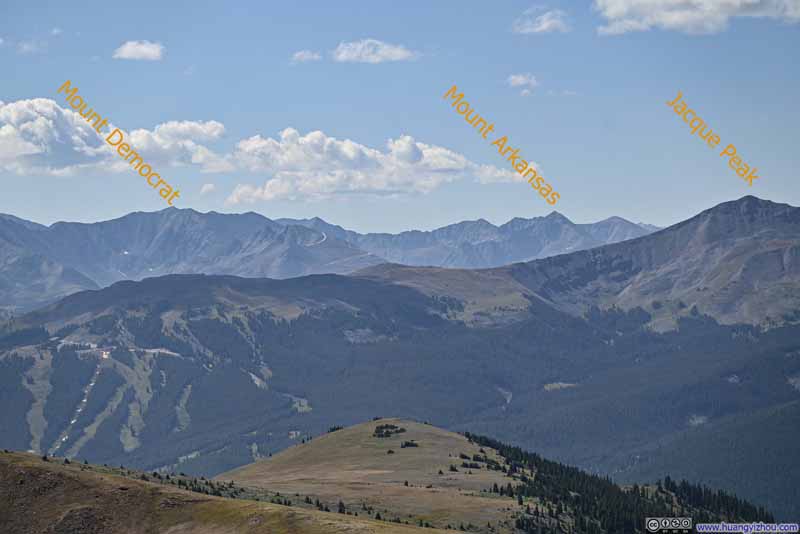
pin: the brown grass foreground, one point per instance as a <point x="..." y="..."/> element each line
<point x="352" y="465"/>
<point x="48" y="497"/>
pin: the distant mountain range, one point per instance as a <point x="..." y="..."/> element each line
<point x="39" y="264"/>
<point x="672" y="353"/>
<point x="738" y="262"/>
<point x="480" y="244"/>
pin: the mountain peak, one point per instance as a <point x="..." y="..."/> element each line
<point x="615" y="219"/>
<point x="749" y="203"/>
<point x="475" y="222"/>
<point x="744" y="214"/>
<point x="557" y="216"/>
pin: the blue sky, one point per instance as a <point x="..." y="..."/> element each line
<point x="390" y="154"/>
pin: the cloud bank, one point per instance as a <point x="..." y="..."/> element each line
<point x="38" y="137"/>
<point x="317" y="166"/>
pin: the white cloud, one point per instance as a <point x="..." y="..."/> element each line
<point x="371" y="51"/>
<point x="488" y="174"/>
<point x="56" y="31"/>
<point x="178" y="144"/>
<point x="190" y="130"/>
<point x="317" y="166"/>
<point x="303" y="56"/>
<point x="141" y="50"/>
<point x="13" y="145"/>
<point x="525" y="81"/>
<point x="689" y="16"/>
<point x="31" y="47"/>
<point x="38" y="137"/>
<point x="207" y="188"/>
<point x="554" y="20"/>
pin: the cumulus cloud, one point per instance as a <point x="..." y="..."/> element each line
<point x="41" y="138"/>
<point x="689" y="16"/>
<point x="316" y="166"/>
<point x="55" y="31"/>
<point x="554" y="20"/>
<point x="177" y="144"/>
<point x="488" y="174"/>
<point x="526" y="82"/>
<point x="207" y="188"/>
<point x="14" y="146"/>
<point x="371" y="51"/>
<point x="190" y="130"/>
<point x="304" y="56"/>
<point x="140" y="50"/>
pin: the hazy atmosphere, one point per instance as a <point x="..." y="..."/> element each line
<point x="522" y="267"/>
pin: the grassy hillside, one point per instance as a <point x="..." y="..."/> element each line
<point x="355" y="466"/>
<point x="385" y="476"/>
<point x="50" y="497"/>
<point x="425" y="475"/>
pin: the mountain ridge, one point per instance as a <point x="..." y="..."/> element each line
<point x="711" y="263"/>
<point x="39" y="264"/>
<point x="141" y="244"/>
<point x="481" y="244"/>
<point x="208" y="372"/>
